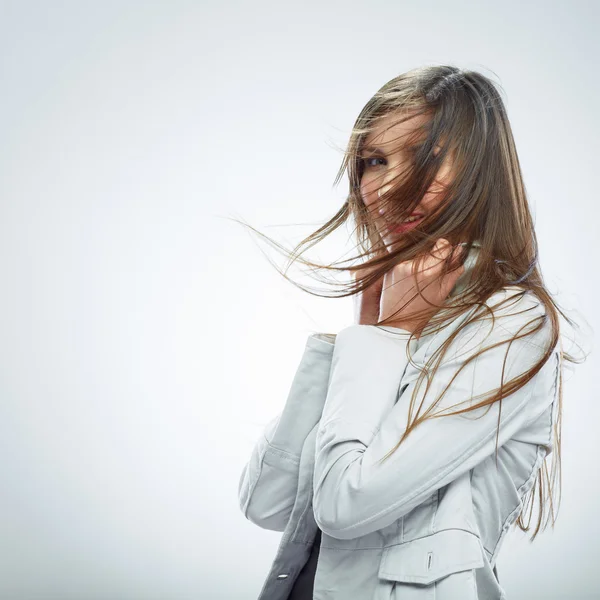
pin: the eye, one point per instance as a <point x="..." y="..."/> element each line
<point x="368" y="164"/>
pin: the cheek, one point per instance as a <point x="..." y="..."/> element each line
<point x="368" y="193"/>
<point x="434" y="194"/>
<point x="369" y="188"/>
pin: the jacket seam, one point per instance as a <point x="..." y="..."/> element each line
<point x="283" y="453"/>
<point x="422" y="537"/>
<point x="511" y="518"/>
<point x="539" y="458"/>
<point x="253" y="483"/>
<point x="373" y="430"/>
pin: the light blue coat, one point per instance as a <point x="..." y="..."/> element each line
<point x="429" y="522"/>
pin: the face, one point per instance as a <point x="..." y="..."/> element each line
<point x="384" y="162"/>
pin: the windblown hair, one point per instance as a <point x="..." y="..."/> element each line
<point x="485" y="204"/>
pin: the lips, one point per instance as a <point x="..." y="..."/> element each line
<point x="415" y="214"/>
<point x="418" y="215"/>
<point x="402" y="227"/>
<point x="392" y="225"/>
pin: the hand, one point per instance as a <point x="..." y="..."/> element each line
<point x="399" y="287"/>
<point x="367" y="302"/>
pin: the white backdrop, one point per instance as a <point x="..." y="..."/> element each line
<point x="145" y="339"/>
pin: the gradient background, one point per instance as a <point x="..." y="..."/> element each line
<point x="145" y="339"/>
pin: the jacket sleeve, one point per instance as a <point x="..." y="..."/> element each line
<point x="269" y="480"/>
<point x="365" y="415"/>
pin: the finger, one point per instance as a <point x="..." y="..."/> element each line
<point x="441" y="247"/>
<point x="448" y="254"/>
<point x="456" y="254"/>
<point x="437" y="289"/>
<point x="449" y="281"/>
<point x="442" y="282"/>
<point x="434" y="260"/>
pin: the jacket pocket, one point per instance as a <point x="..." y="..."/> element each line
<point x="439" y="566"/>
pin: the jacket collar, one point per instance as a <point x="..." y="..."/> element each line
<point x="465" y="277"/>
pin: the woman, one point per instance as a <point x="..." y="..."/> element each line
<point x="413" y="439"/>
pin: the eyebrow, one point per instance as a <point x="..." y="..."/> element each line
<point x="369" y="148"/>
<point x="372" y="149"/>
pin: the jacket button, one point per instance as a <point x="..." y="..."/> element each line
<point x="282" y="576"/>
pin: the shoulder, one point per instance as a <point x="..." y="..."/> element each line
<point x="517" y="312"/>
<point x="510" y="315"/>
<point x="517" y="332"/>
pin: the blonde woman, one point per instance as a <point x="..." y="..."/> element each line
<point x="413" y="439"/>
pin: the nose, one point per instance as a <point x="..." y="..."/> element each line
<point x="380" y="210"/>
<point x="386" y="183"/>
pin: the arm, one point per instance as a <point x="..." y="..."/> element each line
<point x="269" y="480"/>
<point x="362" y="421"/>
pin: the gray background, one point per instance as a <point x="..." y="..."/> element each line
<point x="145" y="339"/>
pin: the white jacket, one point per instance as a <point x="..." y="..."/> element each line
<point x="428" y="522"/>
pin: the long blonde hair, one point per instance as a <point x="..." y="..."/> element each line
<point x="485" y="204"/>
